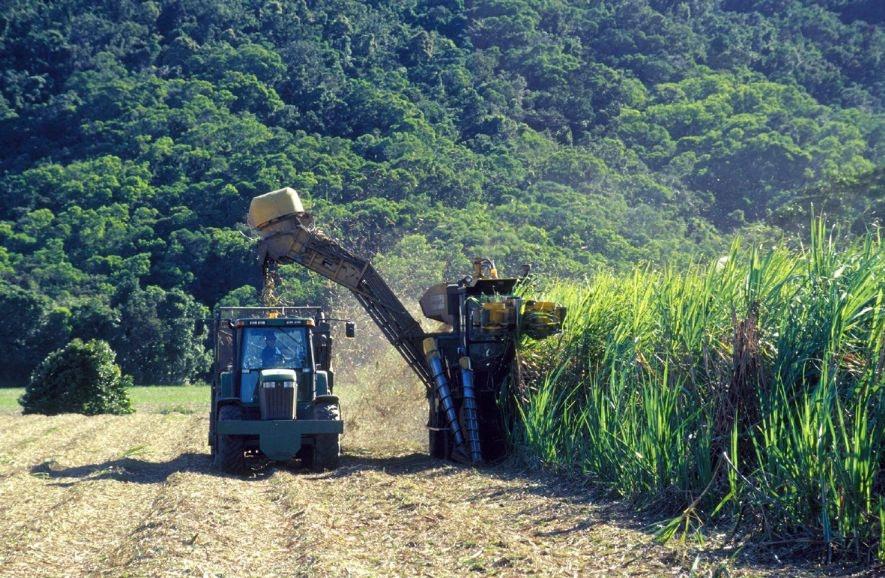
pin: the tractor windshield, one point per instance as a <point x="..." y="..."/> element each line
<point x="275" y="347"/>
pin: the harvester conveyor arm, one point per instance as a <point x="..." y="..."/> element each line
<point x="289" y="240"/>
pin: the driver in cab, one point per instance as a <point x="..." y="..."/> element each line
<point x="271" y="356"/>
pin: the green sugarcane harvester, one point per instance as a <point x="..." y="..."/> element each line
<point x="463" y="367"/>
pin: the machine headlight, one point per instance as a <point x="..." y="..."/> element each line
<point x="270" y="384"/>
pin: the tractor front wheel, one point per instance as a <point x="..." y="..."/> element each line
<point x="230" y="456"/>
<point x="326" y="448"/>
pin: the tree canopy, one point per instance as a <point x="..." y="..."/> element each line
<point x="572" y="135"/>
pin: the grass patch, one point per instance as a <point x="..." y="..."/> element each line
<point x="9" y="399"/>
<point x="185" y="399"/>
<point x="171" y="398"/>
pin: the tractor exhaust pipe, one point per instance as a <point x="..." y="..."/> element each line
<point x="441" y="386"/>
<point x="471" y="423"/>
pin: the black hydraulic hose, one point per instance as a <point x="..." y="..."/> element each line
<point x="443" y="392"/>
<point x="471" y="422"/>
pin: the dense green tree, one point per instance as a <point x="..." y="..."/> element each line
<point x="571" y="135"/>
<point x="23" y="313"/>
<point x="163" y="336"/>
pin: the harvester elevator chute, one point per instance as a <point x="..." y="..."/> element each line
<point x="464" y="367"/>
<point x="291" y="238"/>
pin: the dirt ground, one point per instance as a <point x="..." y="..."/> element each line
<point x="135" y="495"/>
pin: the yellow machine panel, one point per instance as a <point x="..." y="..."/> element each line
<point x="498" y="316"/>
<point x="541" y="319"/>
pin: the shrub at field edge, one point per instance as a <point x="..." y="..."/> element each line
<point x="82" y="378"/>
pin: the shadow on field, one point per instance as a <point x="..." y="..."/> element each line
<point x="397" y="465"/>
<point x="142" y="471"/>
<point x="125" y="469"/>
<point x="134" y="470"/>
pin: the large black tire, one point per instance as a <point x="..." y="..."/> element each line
<point x="326" y="448"/>
<point x="230" y="455"/>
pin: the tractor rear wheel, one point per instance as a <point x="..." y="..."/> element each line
<point x="326" y="448"/>
<point x="230" y="456"/>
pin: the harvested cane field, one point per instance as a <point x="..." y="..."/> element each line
<point x="135" y="495"/>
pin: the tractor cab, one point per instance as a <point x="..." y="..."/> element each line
<point x="272" y="390"/>
<point x="277" y="351"/>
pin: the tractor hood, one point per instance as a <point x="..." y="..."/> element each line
<point x="278" y="375"/>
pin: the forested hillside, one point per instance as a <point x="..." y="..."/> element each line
<point x="569" y="134"/>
